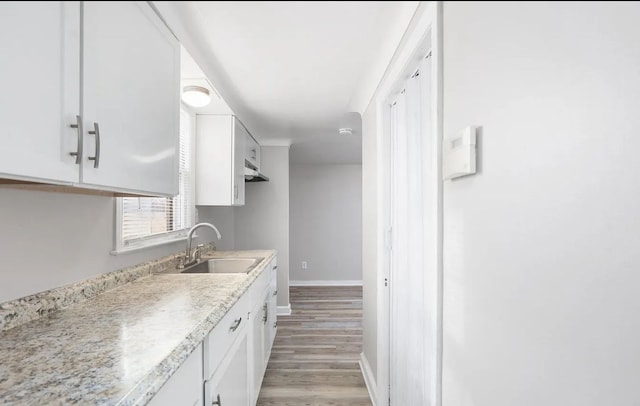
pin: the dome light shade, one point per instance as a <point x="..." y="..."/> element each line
<point x="196" y="96"/>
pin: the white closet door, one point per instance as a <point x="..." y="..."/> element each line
<point x="431" y="224"/>
<point x="414" y="257"/>
<point x="131" y="69"/>
<point x="40" y="90"/>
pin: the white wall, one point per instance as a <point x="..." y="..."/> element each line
<point x="369" y="239"/>
<point x="541" y="271"/>
<point x="52" y="239"/>
<point x="223" y="217"/>
<point x="263" y="222"/>
<point x="326" y="222"/>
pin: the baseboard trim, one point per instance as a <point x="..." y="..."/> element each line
<point x="369" y="380"/>
<point x="325" y="283"/>
<point x="284" y="310"/>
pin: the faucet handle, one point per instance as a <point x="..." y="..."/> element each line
<point x="180" y="261"/>
<point x="198" y="252"/>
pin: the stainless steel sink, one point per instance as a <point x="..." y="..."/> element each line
<point x="224" y="265"/>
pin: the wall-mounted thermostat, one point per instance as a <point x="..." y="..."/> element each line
<point x="459" y="155"/>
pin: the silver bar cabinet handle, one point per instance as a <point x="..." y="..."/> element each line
<point x="78" y="153"/>
<point x="235" y="325"/>
<point x="217" y="402"/>
<point x="275" y="293"/>
<point x="96" y="157"/>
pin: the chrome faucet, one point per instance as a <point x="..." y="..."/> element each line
<point x="188" y="256"/>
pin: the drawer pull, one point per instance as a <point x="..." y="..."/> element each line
<point x="275" y="324"/>
<point x="265" y="317"/>
<point x="275" y="267"/>
<point x="235" y="325"/>
<point x="217" y="402"/>
<point x="275" y="293"/>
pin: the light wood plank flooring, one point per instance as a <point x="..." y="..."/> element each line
<point x="314" y="360"/>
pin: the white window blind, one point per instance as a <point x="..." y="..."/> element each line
<point x="148" y="220"/>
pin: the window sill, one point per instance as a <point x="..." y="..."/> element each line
<point x="149" y="244"/>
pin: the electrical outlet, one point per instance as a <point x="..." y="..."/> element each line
<point x="304" y="264"/>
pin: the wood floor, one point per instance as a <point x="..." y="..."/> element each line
<point x="314" y="360"/>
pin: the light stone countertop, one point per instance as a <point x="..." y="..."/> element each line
<point x="121" y="346"/>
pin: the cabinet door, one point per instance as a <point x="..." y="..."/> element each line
<point x="258" y="365"/>
<point x="272" y="327"/>
<point x="230" y="383"/>
<point x="131" y="84"/>
<point x="214" y="160"/>
<point x="184" y="387"/>
<point x="40" y="82"/>
<point x="252" y="152"/>
<point x="239" y="137"/>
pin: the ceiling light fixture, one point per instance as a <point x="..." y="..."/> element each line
<point x="196" y="96"/>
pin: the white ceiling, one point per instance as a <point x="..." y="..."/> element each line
<point x="293" y="69"/>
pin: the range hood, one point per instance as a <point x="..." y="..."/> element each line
<point x="252" y="175"/>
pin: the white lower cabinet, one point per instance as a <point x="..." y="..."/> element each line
<point x="232" y="359"/>
<point x="184" y="388"/>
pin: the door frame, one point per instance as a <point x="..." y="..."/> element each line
<point x="424" y="33"/>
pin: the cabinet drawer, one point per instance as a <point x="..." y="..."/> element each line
<point x="222" y="337"/>
<point x="273" y="277"/>
<point x="258" y="287"/>
<point x="273" y="283"/>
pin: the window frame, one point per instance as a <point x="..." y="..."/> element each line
<point x="120" y="247"/>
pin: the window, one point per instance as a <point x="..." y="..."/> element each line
<point x="147" y="221"/>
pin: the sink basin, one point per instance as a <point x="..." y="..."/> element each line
<point x="224" y="265"/>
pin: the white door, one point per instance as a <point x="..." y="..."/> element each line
<point x="40" y="90"/>
<point x="414" y="259"/>
<point x="131" y="75"/>
<point x="240" y="136"/>
<point x="184" y="387"/>
<point x="257" y="332"/>
<point x="268" y="325"/>
<point x="230" y="384"/>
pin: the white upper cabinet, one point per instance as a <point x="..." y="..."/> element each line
<point x="252" y="154"/>
<point x="40" y="96"/>
<point x="131" y="98"/>
<point x="220" y="152"/>
<point x="100" y="80"/>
